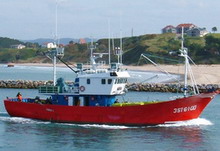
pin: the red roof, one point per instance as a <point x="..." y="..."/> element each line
<point x="169" y="26"/>
<point x="82" y="41"/>
<point x="186" y="25"/>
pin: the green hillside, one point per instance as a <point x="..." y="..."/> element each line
<point x="203" y="50"/>
<point x="7" y="42"/>
<point x="161" y="48"/>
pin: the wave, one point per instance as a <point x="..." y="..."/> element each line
<point x="6" y="118"/>
<point x="99" y="126"/>
<point x="194" y="122"/>
<point x="4" y="114"/>
<point x="21" y="120"/>
<point x="41" y="68"/>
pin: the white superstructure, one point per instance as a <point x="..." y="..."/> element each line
<point x="103" y="82"/>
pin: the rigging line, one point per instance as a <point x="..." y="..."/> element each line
<point x="164" y="58"/>
<point x="142" y="55"/>
<point x="181" y="82"/>
<point x="66" y="64"/>
<point x="194" y="84"/>
<point x="71" y="64"/>
<point x="193" y="78"/>
<point x="191" y="60"/>
<point x="46" y="54"/>
<point x="193" y="81"/>
<point x="199" y="70"/>
<point x="131" y="86"/>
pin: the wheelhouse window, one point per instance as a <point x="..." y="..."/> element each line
<point x="120" y="80"/>
<point x="109" y="81"/>
<point x="103" y="81"/>
<point x="88" y="81"/>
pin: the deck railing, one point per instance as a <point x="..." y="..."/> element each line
<point x="48" y="89"/>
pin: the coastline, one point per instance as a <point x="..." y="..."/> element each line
<point x="204" y="74"/>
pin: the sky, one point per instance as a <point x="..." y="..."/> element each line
<point x="32" y="19"/>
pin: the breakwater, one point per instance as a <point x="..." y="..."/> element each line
<point x="170" y="87"/>
<point x="23" y="84"/>
<point x="147" y="87"/>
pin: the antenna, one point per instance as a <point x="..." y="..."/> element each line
<point x="56" y="22"/>
<point x="109" y="43"/>
<point x="113" y="43"/>
<point x="121" y="48"/>
<point x="132" y="32"/>
<point x="182" y="38"/>
<point x="57" y="52"/>
<point x="92" y="58"/>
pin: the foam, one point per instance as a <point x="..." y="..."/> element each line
<point x="21" y="120"/>
<point x="101" y="126"/>
<point x="194" y="122"/>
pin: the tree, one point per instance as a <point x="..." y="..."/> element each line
<point x="214" y="29"/>
<point x="71" y="42"/>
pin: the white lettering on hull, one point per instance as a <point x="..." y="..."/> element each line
<point x="185" y="109"/>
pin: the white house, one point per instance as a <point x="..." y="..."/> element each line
<point x="169" y="29"/>
<point x="49" y="45"/>
<point x="19" y="46"/>
<point x="197" y="32"/>
<point x="186" y="27"/>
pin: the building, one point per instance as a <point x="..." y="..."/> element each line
<point x="189" y="29"/>
<point x="197" y="32"/>
<point x="169" y="29"/>
<point x="19" y="46"/>
<point x="82" y="41"/>
<point x="49" y="45"/>
<point x="186" y="28"/>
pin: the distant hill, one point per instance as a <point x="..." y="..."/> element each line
<point x="164" y="48"/>
<point x="7" y="42"/>
<point x="161" y="48"/>
<point x="64" y="41"/>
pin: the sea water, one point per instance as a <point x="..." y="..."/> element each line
<point x="26" y="134"/>
<point x="20" y="72"/>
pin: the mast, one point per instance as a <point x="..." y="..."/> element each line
<point x="184" y="54"/>
<point x="55" y="53"/>
<point x="54" y="69"/>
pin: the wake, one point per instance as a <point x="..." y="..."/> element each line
<point x="4" y="117"/>
<point x="194" y="122"/>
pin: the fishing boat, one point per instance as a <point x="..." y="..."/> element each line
<point x="10" y="65"/>
<point x="92" y="99"/>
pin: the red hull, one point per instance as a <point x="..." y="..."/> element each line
<point x="150" y="114"/>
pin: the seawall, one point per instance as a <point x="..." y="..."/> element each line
<point x="147" y="87"/>
<point x="170" y="87"/>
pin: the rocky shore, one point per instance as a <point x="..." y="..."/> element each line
<point x="23" y="84"/>
<point x="147" y="87"/>
<point x="170" y="87"/>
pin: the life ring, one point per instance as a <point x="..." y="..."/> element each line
<point x="82" y="88"/>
